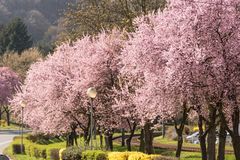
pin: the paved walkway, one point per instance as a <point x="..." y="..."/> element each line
<point x="6" y="137"/>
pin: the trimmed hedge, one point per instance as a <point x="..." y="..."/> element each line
<point x="38" y="151"/>
<point x="16" y="148"/>
<point x="94" y="155"/>
<point x="32" y="150"/>
<point x="35" y="151"/>
<point x="54" y="154"/>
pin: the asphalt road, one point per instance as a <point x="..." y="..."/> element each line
<point x="6" y="138"/>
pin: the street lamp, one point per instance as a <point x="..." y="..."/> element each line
<point x="92" y="93"/>
<point x="23" y="105"/>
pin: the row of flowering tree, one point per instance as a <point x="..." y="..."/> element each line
<point x="9" y="84"/>
<point x="178" y="62"/>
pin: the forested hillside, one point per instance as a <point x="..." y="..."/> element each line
<point x="41" y="16"/>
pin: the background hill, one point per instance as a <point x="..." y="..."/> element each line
<point x="41" y="16"/>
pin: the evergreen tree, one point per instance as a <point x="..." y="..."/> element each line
<point x="14" y="37"/>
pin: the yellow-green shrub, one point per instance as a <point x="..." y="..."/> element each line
<point x="94" y="155"/>
<point x="31" y="151"/>
<point x="35" y="150"/>
<point x="118" y="155"/>
<point x="138" y="156"/>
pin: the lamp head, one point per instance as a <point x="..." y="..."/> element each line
<point x="92" y="92"/>
<point x="22" y="104"/>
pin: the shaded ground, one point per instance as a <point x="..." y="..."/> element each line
<point x="171" y="147"/>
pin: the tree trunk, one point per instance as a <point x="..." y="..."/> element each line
<point x="163" y="130"/>
<point x="222" y="142"/>
<point x="8" y="117"/>
<point x="86" y="138"/>
<point x="108" y="140"/>
<point x="142" y="142"/>
<point x="123" y="137"/>
<point x="179" y="131"/>
<point x="211" y="139"/>
<point x="70" y="140"/>
<point x="101" y="139"/>
<point x="179" y="146"/>
<point x="148" y="138"/>
<point x="235" y="134"/>
<point x="236" y="146"/>
<point x="0" y="113"/>
<point x="75" y="136"/>
<point x="202" y="138"/>
<point x="129" y="140"/>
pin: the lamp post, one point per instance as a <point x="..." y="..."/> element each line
<point x="22" y="104"/>
<point x="92" y="93"/>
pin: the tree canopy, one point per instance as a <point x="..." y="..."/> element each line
<point x="90" y="16"/>
<point x="177" y="63"/>
<point x="20" y="63"/>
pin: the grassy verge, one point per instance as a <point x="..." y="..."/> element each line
<point x="11" y="127"/>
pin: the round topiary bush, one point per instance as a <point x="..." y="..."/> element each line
<point x="72" y="153"/>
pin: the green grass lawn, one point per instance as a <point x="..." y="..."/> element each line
<point x="11" y="127"/>
<point x="185" y="144"/>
